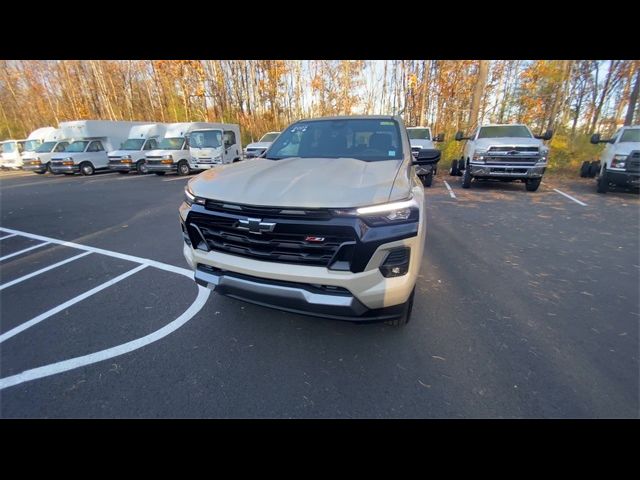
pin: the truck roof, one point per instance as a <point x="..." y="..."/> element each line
<point x="350" y="117"/>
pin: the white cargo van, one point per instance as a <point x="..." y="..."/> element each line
<point x="15" y="151"/>
<point x="172" y="154"/>
<point x="216" y="145"/>
<point x="38" y="161"/>
<point x="131" y="155"/>
<point x="91" y="140"/>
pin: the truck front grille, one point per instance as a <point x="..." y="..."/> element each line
<point x="301" y="242"/>
<point x="633" y="162"/>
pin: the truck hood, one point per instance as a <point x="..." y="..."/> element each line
<point x="300" y="182"/>
<point x="485" y="143"/>
<point x="160" y="153"/>
<point x="418" y="142"/>
<point x="121" y="153"/>
<point x="259" y="145"/>
<point x="626" y="148"/>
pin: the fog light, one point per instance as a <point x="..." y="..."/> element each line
<point x="397" y="263"/>
<point x="167" y="161"/>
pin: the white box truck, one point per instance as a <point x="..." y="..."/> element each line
<point x="39" y="160"/>
<point x="14" y="151"/>
<point x="172" y="154"/>
<point x="91" y="140"/>
<point x="131" y="155"/>
<point x="216" y="145"/>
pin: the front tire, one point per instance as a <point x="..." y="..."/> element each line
<point x="532" y="184"/>
<point x="86" y="169"/>
<point x="594" y="168"/>
<point x="427" y="180"/>
<point x="141" y="167"/>
<point x="49" y="168"/>
<point x="603" y="182"/>
<point x="183" y="168"/>
<point x="584" y="169"/>
<point x="466" y="178"/>
<point x="406" y="314"/>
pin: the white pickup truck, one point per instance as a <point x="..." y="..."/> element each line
<point x="255" y="149"/>
<point x="421" y="139"/>
<point x="503" y="152"/>
<point x="620" y="159"/>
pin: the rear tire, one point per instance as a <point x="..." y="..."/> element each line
<point x="466" y="178"/>
<point x="406" y="314"/>
<point x="594" y="168"/>
<point x="532" y="184"/>
<point x="603" y="182"/>
<point x="427" y="180"/>
<point x="183" y="168"/>
<point x="86" y="169"/>
<point x="584" y="169"/>
<point x="453" y="171"/>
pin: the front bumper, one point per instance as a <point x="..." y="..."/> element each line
<point x="624" y="179"/>
<point x="293" y="297"/>
<point x="204" y="166"/>
<point x="65" y="168"/>
<point x="162" y="167"/>
<point x="506" y="171"/>
<point x="122" y="167"/>
<point x="34" y="167"/>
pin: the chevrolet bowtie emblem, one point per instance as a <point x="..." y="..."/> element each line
<point x="255" y="225"/>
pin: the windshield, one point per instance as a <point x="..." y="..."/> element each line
<point x="518" y="131"/>
<point x="419" y="133"/>
<point x="206" y="139"/>
<point x="9" y="147"/>
<point x="172" y="143"/>
<point x="31" y="145"/>
<point x="76" y="146"/>
<point x="45" y="147"/>
<point x="630" y="135"/>
<point x="363" y="139"/>
<point x="133" y="144"/>
<point x="269" y="137"/>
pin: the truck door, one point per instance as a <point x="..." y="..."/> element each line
<point x="97" y="154"/>
<point x="231" y="149"/>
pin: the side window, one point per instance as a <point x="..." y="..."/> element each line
<point x="95" y="146"/>
<point x="229" y="138"/>
<point x="151" y="144"/>
<point x="60" y="147"/>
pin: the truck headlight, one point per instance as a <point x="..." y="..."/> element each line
<point x="126" y="159"/>
<point x="167" y="157"/>
<point x="190" y="198"/>
<point x="67" y="161"/>
<point x="479" y="156"/>
<point x="619" y="161"/>
<point x="386" y="213"/>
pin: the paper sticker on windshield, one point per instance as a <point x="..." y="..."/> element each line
<point x="299" y="128"/>
<point x="392" y="153"/>
<point x="386" y="123"/>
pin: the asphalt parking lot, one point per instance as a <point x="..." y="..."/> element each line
<point x="527" y="306"/>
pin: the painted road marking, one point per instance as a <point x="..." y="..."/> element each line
<point x="451" y="194"/>
<point x="8" y="236"/>
<point x="571" y="198"/>
<point x="25" y="250"/>
<point x="43" y="316"/>
<point x="109" y="253"/>
<point x="178" y="178"/>
<point x="42" y="270"/>
<point x="65" y="365"/>
<point x="59" y="367"/>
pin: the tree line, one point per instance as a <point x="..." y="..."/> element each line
<point x="573" y="97"/>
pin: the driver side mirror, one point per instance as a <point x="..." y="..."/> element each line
<point x="596" y="139"/>
<point x="460" y="136"/>
<point x="427" y="156"/>
<point x="439" y="137"/>
<point x="546" y="136"/>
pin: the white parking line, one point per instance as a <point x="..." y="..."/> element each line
<point x="571" y="198"/>
<point x="109" y="253"/>
<point x="186" y="177"/>
<point x="65" y="365"/>
<point x="42" y="270"/>
<point x="25" y="250"/>
<point x="43" y="316"/>
<point x="8" y="236"/>
<point x="59" y="367"/>
<point x="451" y="194"/>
